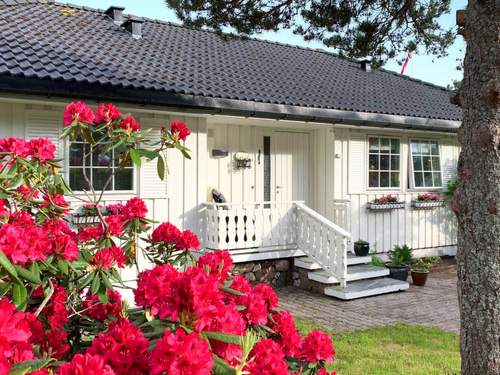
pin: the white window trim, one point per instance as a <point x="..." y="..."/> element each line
<point x="107" y="193"/>
<point x="412" y="186"/>
<point x="383" y="190"/>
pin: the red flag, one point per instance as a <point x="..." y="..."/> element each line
<point x="406" y="62"/>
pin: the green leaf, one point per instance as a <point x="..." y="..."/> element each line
<point x="103" y="294"/>
<point x="19" y="295"/>
<point x="185" y="154"/>
<point x="8" y="266"/>
<point x="231" y="291"/>
<point x="4" y="288"/>
<point x="223" y="337"/>
<point x="96" y="283"/>
<point x="63" y="266"/>
<point x="135" y="157"/>
<point x="160" y="167"/>
<point x="105" y="281"/>
<point x="221" y="367"/>
<point x="22" y="368"/>
<point x="28" y="275"/>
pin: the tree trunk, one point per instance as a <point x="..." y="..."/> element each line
<point x="477" y="199"/>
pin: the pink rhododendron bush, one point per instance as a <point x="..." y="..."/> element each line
<point x="61" y="311"/>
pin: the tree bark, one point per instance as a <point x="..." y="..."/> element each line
<point x="477" y="199"/>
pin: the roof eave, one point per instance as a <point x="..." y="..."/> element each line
<point x="81" y="90"/>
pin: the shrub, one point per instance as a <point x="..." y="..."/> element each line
<point x="60" y="310"/>
<point x="400" y="255"/>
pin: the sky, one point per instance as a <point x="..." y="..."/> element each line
<point x="426" y="68"/>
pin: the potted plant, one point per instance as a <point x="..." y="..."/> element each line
<point x="427" y="200"/>
<point x="361" y="248"/>
<point x="420" y="269"/>
<point x="399" y="259"/>
<point x="385" y="202"/>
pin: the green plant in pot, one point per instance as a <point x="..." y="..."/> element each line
<point x="420" y="269"/>
<point x="400" y="257"/>
<point x="361" y="248"/>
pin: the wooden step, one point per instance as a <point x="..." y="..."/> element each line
<point x="309" y="264"/>
<point x="366" y="288"/>
<point x="357" y="272"/>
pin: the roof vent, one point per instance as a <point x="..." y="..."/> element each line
<point x="365" y="65"/>
<point x="116" y="14"/>
<point x="134" y="26"/>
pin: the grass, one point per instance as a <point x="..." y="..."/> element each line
<point x="391" y="350"/>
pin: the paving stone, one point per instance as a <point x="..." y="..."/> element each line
<point x="436" y="305"/>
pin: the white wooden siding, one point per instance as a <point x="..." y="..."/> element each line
<point x="419" y="229"/>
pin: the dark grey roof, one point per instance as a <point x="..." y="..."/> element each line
<point x="43" y="41"/>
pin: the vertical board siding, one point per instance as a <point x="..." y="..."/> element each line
<point x="418" y="228"/>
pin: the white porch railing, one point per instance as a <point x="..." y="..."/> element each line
<point x="278" y="225"/>
<point x="323" y="241"/>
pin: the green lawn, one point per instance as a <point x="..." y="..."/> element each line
<point x="392" y="350"/>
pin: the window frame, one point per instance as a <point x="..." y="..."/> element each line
<point x="412" y="172"/>
<point x="67" y="166"/>
<point x="367" y="165"/>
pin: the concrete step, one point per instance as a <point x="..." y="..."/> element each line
<point x="357" y="272"/>
<point x="309" y="264"/>
<point x="366" y="288"/>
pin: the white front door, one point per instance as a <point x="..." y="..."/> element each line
<point x="286" y="166"/>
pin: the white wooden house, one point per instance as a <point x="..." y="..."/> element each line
<point x="322" y="136"/>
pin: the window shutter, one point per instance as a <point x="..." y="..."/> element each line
<point x="449" y="160"/>
<point x="44" y="124"/>
<point x="357" y="167"/>
<point x="150" y="185"/>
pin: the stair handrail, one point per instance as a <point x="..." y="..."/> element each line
<point x="338" y="269"/>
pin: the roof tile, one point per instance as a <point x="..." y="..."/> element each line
<point x="89" y="47"/>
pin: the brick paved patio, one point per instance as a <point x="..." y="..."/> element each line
<point x="435" y="304"/>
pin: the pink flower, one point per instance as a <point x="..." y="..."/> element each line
<point x="15" y="336"/>
<point x="42" y="149"/>
<point x="181" y="354"/>
<point x="55" y="201"/>
<point x="166" y="232"/>
<point x="317" y="346"/>
<point x="288" y="336"/>
<point x="258" y="303"/>
<point x="130" y="124"/>
<point x="26" y="193"/>
<point x="115" y="225"/>
<point x="15" y="146"/>
<point x="85" y="364"/>
<point x="179" y="130"/>
<point x="107" y="113"/>
<point x="101" y="311"/>
<point x="157" y="290"/>
<point x="124" y="348"/>
<point x="217" y="263"/>
<point x="109" y="257"/>
<point x="268" y="359"/>
<point x="188" y="241"/>
<point x="63" y="240"/>
<point x="78" y="111"/>
<point x="135" y="208"/>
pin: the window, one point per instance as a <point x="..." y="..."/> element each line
<point x="383" y="162"/>
<point x="267" y="169"/>
<point x="426" y="164"/>
<point x="98" y="167"/>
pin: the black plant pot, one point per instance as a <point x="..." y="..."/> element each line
<point x="398" y="272"/>
<point x="361" y="250"/>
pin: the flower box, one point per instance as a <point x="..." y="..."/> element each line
<point x="385" y="206"/>
<point x="426" y="204"/>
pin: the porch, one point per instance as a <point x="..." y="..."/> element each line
<point x="269" y="230"/>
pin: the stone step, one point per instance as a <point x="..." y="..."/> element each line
<point x="357" y="272"/>
<point x="309" y="264"/>
<point x="366" y="288"/>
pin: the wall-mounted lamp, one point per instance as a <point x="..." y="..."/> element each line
<point x="219" y="153"/>
<point x="243" y="160"/>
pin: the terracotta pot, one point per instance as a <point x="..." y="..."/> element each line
<point x="419" y="278"/>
